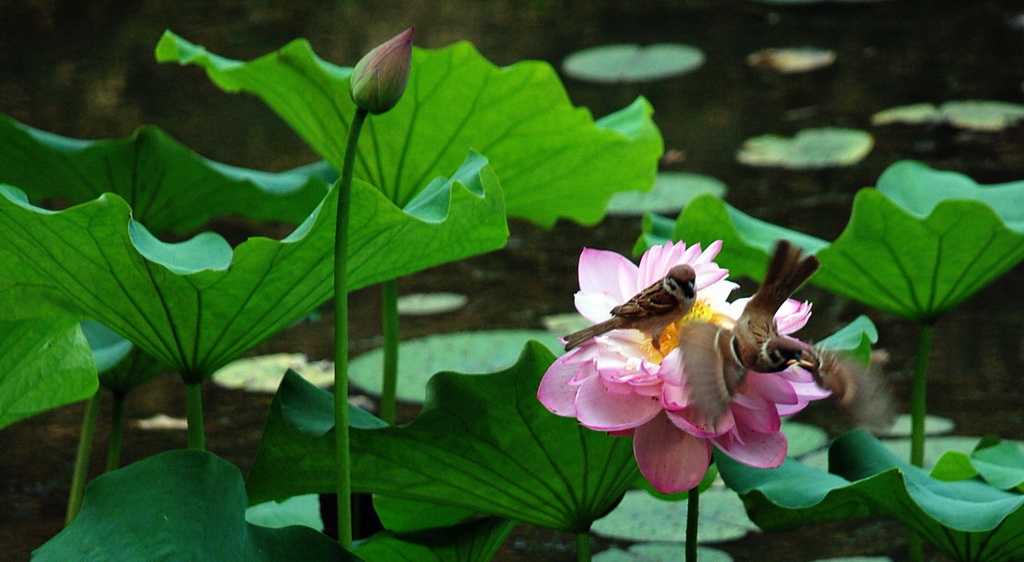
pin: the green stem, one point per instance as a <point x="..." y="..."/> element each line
<point x="389" y="320"/>
<point x="582" y="547"/>
<point x="692" y="520"/>
<point x="343" y="483"/>
<point x="917" y="394"/>
<point x="194" y="413"/>
<point x="116" y="431"/>
<point x="92" y="408"/>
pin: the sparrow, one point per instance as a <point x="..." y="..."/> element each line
<point x="650" y="310"/>
<point x="716" y="358"/>
<point x="860" y="390"/>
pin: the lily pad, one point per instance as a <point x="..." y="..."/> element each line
<point x="803" y="438"/>
<point x="791" y="60"/>
<point x="565" y="323"/>
<point x="44" y="363"/>
<point x="184" y="505"/>
<point x="933" y="425"/>
<point x="611" y="64"/>
<point x="520" y="117"/>
<point x="299" y="510"/>
<point x="809" y="149"/>
<point x="483" y="443"/>
<point x="671" y="192"/>
<point x="917" y="246"/>
<point x="642" y="517"/>
<point x="168" y="187"/>
<point x="659" y="552"/>
<point x="977" y="115"/>
<point x="198" y="305"/>
<point x="425" y="304"/>
<point x="966" y="520"/>
<point x="467" y="352"/>
<point x="264" y="373"/>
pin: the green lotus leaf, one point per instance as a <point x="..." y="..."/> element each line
<point x="121" y="366"/>
<point x="615" y="64"/>
<point x="553" y="159"/>
<point x="978" y="115"/>
<point x="809" y="149"/>
<point x="181" y="505"/>
<point x="198" y="305"/>
<point x="917" y="246"/>
<point x="45" y="362"/>
<point x="671" y="192"/>
<point x="484" y="351"/>
<point x="643" y="517"/>
<point x="470" y="541"/>
<point x="483" y="443"/>
<point x="168" y="187"/>
<point x="966" y="520"/>
<point x="1000" y="463"/>
<point x="299" y="510"/>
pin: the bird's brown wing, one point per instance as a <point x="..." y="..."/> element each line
<point x="652" y="301"/>
<point x="711" y="370"/>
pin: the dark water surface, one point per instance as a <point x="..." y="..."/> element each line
<point x="86" y="70"/>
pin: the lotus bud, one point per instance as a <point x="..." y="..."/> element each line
<point x="378" y="80"/>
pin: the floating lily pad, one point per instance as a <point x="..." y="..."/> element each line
<point x="671" y="192"/>
<point x="642" y="517"/>
<point x="803" y="438"/>
<point x="567" y="323"/>
<point x="467" y="352"/>
<point x="809" y="149"/>
<point x="791" y="60"/>
<point x="298" y="510"/>
<point x="610" y="64"/>
<point x="934" y="449"/>
<point x="425" y="304"/>
<point x="978" y="115"/>
<point x="659" y="552"/>
<point x="933" y="425"/>
<point x="264" y="373"/>
<point x="161" y="422"/>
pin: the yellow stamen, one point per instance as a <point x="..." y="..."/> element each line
<point x="701" y="312"/>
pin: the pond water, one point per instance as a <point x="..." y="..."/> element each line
<point x="87" y="71"/>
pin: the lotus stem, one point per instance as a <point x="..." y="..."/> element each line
<point x="85" y="436"/>
<point x="116" y="431"/>
<point x="918" y="393"/>
<point x="692" y="520"/>
<point x="582" y="547"/>
<point x="343" y="483"/>
<point x="389" y="321"/>
<point x="194" y="414"/>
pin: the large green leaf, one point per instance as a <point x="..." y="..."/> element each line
<point x="1000" y="463"/>
<point x="482" y="443"/>
<point x="967" y="520"/>
<point x="553" y="159"/>
<point x="917" y="246"/>
<point x="45" y="362"/>
<point x="197" y="305"/>
<point x="471" y="541"/>
<point x="121" y="366"/>
<point x="168" y="187"/>
<point x="178" y="505"/>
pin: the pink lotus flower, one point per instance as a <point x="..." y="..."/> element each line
<point x="619" y="383"/>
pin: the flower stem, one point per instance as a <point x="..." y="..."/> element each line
<point x="343" y="481"/>
<point x="194" y="414"/>
<point x="389" y="321"/>
<point x="692" y="519"/>
<point x="116" y="431"/>
<point x="918" y="393"/>
<point x="92" y="408"/>
<point x="582" y="547"/>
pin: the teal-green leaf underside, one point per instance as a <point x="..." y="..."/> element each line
<point x="483" y="443"/>
<point x="45" y="362"/>
<point x="198" y="310"/>
<point x="169" y="187"/>
<point x="178" y="505"/>
<point x="554" y="160"/>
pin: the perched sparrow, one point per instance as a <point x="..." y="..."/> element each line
<point x="650" y="311"/>
<point x="717" y="358"/>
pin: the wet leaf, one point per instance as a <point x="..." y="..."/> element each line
<point x="483" y="443"/>
<point x="520" y="117"/>
<point x="484" y="351"/>
<point x="978" y="115"/>
<point x="809" y="149"/>
<point x="45" y="362"/>
<point x="671" y="192"/>
<point x="184" y="505"/>
<point x="471" y="541"/>
<point x="642" y="517"/>
<point x="626" y="63"/>
<point x="198" y="305"/>
<point x="966" y="520"/>
<point x="168" y="187"/>
<point x="917" y="246"/>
